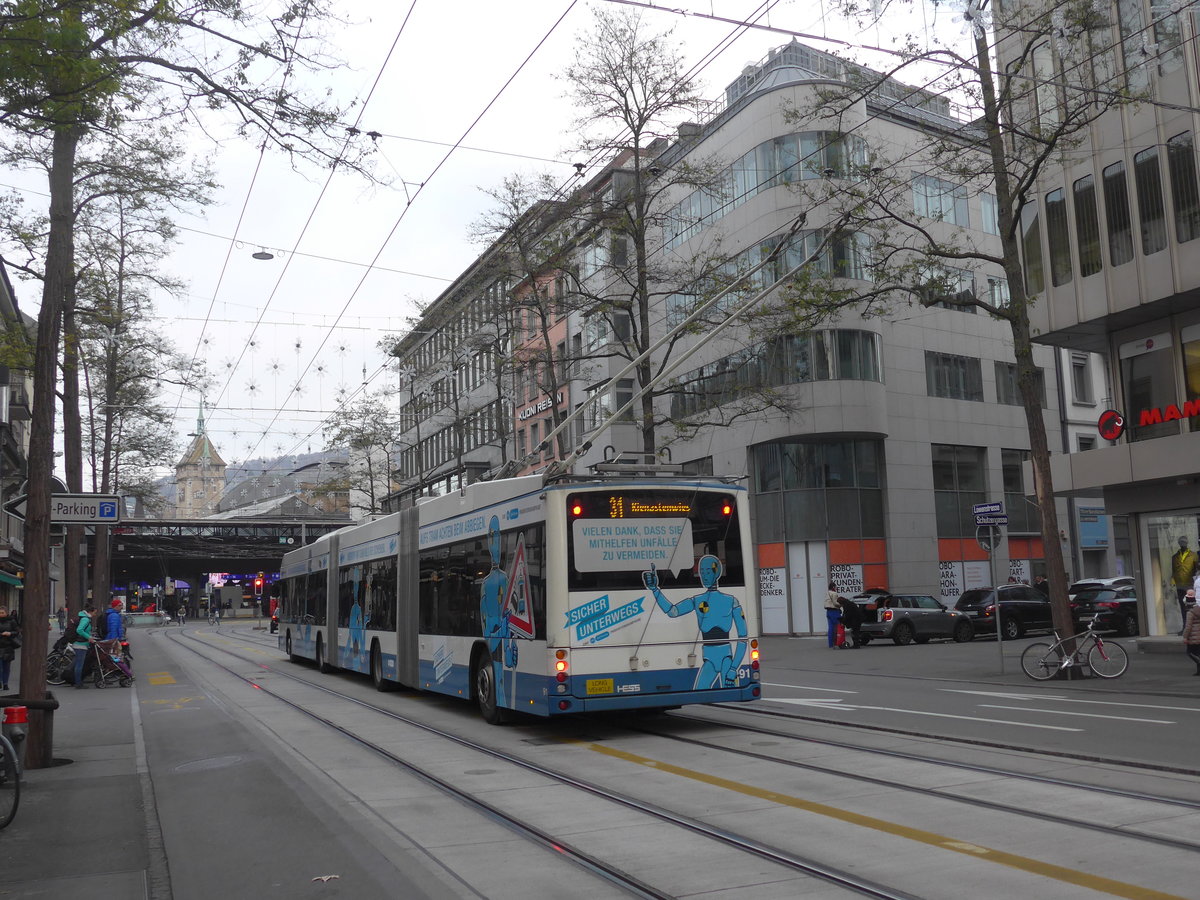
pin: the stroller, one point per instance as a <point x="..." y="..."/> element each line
<point x="60" y="662"/>
<point x="110" y="666"/>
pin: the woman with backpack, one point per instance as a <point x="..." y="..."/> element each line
<point x="83" y="640"/>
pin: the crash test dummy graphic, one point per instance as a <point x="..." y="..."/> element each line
<point x="717" y="613"/>
<point x="358" y="628"/>
<point x="495" y="617"/>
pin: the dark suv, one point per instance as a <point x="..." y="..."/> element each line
<point x="1021" y="608"/>
<point x="1114" y="609"/>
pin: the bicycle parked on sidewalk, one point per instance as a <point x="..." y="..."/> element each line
<point x="10" y="782"/>
<point x="1106" y="659"/>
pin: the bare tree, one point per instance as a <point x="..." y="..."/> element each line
<point x="1015" y="122"/>
<point x="77" y="68"/>
<point x="367" y="428"/>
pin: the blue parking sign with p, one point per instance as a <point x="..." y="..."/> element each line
<point x="108" y="510"/>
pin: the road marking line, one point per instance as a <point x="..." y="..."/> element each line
<point x="160" y="678"/>
<point x="1011" y="860"/>
<point x="832" y="704"/>
<point x="1057" y="698"/>
<point x="1063" y="712"/>
<point x="808" y="687"/>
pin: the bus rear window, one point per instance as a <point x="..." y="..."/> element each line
<point x="613" y="537"/>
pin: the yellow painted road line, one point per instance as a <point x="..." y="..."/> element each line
<point x="160" y="678"/>
<point x="1000" y="857"/>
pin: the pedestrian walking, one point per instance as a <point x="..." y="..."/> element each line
<point x="1191" y="631"/>
<point x="83" y="640"/>
<point x="62" y="618"/>
<point x="833" y="613"/>
<point x="114" y="622"/>
<point x="10" y="642"/>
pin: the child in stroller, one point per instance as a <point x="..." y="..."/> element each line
<point x="110" y="665"/>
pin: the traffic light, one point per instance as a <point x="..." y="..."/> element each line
<point x="258" y="586"/>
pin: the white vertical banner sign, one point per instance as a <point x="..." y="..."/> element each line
<point x="950" y="578"/>
<point x="772" y="598"/>
<point x="846" y="578"/>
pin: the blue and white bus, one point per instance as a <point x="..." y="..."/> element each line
<point x="545" y="596"/>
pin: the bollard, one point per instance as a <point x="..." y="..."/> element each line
<point x="15" y="728"/>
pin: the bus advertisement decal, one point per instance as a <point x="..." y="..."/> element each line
<point x="631" y="545"/>
<point x="597" y="619"/>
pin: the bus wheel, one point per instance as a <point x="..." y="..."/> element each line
<point x="381" y="683"/>
<point x="322" y="666"/>
<point x="484" y="679"/>
<point x="287" y="647"/>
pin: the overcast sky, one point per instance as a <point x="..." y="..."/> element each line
<point x="322" y="318"/>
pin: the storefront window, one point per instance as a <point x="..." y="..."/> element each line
<point x="1164" y="534"/>
<point x="1148" y="379"/>
<point x="1190" y="338"/>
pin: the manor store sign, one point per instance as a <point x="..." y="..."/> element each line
<point x="1156" y="415"/>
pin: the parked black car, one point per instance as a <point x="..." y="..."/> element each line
<point x="1021" y="608"/>
<point x="1115" y="609"/>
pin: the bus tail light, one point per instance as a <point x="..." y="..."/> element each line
<point x="561" y="665"/>
<point x="754" y="657"/>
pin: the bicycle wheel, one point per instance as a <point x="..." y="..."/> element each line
<point x="1041" y="661"/>
<point x="10" y="782"/>
<point x="58" y="664"/>
<point x="1108" y="659"/>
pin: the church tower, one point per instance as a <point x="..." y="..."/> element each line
<point x="199" y="476"/>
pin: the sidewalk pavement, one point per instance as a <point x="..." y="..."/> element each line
<point x="95" y="823"/>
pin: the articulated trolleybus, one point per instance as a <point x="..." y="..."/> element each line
<point x="540" y="595"/>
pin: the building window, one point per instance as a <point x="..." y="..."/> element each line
<point x="1084" y="443"/>
<point x="1031" y="247"/>
<point x="942" y="200"/>
<point x="1116" y="214"/>
<point x="1045" y="88"/>
<point x="1087" y="226"/>
<point x="1148" y="382"/>
<point x="1007" y="390"/>
<point x="1081" y="379"/>
<point x="1059" y="237"/>
<point x="998" y="293"/>
<point x="955" y="377"/>
<point x="991" y="213"/>
<point x="1185" y="196"/>
<point x="959" y="482"/>
<point x="1150" y="200"/>
<point x="1132" y="26"/>
<point x="1022" y="513"/>
<point x="819" y="490"/>
<point x="1189" y="337"/>
<point x="839" y="355"/>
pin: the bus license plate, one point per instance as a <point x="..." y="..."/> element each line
<point x="599" y="686"/>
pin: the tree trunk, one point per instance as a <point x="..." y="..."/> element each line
<point x="74" y="549"/>
<point x="60" y="264"/>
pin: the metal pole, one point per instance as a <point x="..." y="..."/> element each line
<point x="993" y="542"/>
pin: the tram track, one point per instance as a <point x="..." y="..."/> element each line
<point x="840" y="877"/>
<point x="969" y="800"/>
<point x="958" y="764"/>
<point x="756" y="712"/>
<point x="587" y="861"/>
